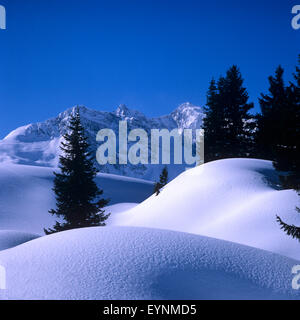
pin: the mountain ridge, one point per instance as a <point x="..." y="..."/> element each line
<point x="38" y="143"/>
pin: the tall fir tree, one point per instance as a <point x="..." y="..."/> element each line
<point x="77" y="195"/>
<point x="227" y="131"/>
<point x="235" y="98"/>
<point x="271" y="122"/>
<point x="163" y="180"/>
<point x="287" y="152"/>
<point x="214" y="122"/>
<point x="289" y="148"/>
<point x="278" y="134"/>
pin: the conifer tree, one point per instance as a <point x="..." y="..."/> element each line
<point x="235" y="98"/>
<point x="287" y="151"/>
<point x="272" y="121"/>
<point x="157" y="188"/>
<point x="163" y="180"/>
<point x="290" y="230"/>
<point x="226" y="133"/>
<point x="214" y="122"/>
<point x="77" y="195"/>
<point x="278" y="134"/>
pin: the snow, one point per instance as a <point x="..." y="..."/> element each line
<point x="139" y="263"/>
<point x="10" y="238"/>
<point x="26" y="195"/>
<point x="234" y="199"/>
<point x="200" y="238"/>
<point x="119" y="208"/>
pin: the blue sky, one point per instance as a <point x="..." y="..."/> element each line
<point x="150" y="55"/>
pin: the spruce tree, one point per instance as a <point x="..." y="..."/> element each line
<point x="278" y="134"/>
<point x="78" y="199"/>
<point x="226" y="132"/>
<point x="235" y="98"/>
<point x="157" y="188"/>
<point x="163" y="180"/>
<point x="214" y="122"/>
<point x="272" y="121"/>
<point x="287" y="149"/>
<point x="290" y="230"/>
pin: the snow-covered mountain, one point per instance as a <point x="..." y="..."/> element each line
<point x="38" y="144"/>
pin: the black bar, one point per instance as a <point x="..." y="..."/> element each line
<point x="158" y="309"/>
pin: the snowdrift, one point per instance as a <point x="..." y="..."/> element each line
<point x="140" y="263"/>
<point x="26" y="195"/>
<point x="234" y="199"/>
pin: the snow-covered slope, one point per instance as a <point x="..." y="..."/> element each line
<point x="38" y="144"/>
<point x="234" y="199"/>
<point x="26" y="195"/>
<point x="138" y="263"/>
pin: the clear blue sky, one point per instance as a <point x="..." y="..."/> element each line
<point x="150" y="55"/>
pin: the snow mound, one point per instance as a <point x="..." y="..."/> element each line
<point x="26" y="195"/>
<point x="234" y="199"/>
<point x="10" y="238"/>
<point x="140" y="263"/>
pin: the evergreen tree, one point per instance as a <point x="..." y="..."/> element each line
<point x="163" y="180"/>
<point x="214" y="123"/>
<point x="235" y="98"/>
<point x="290" y="230"/>
<point x="272" y="121"/>
<point x="227" y="131"/>
<point x="77" y="195"/>
<point x="287" y="144"/>
<point x="157" y="188"/>
<point x="287" y="149"/>
<point x="279" y="126"/>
